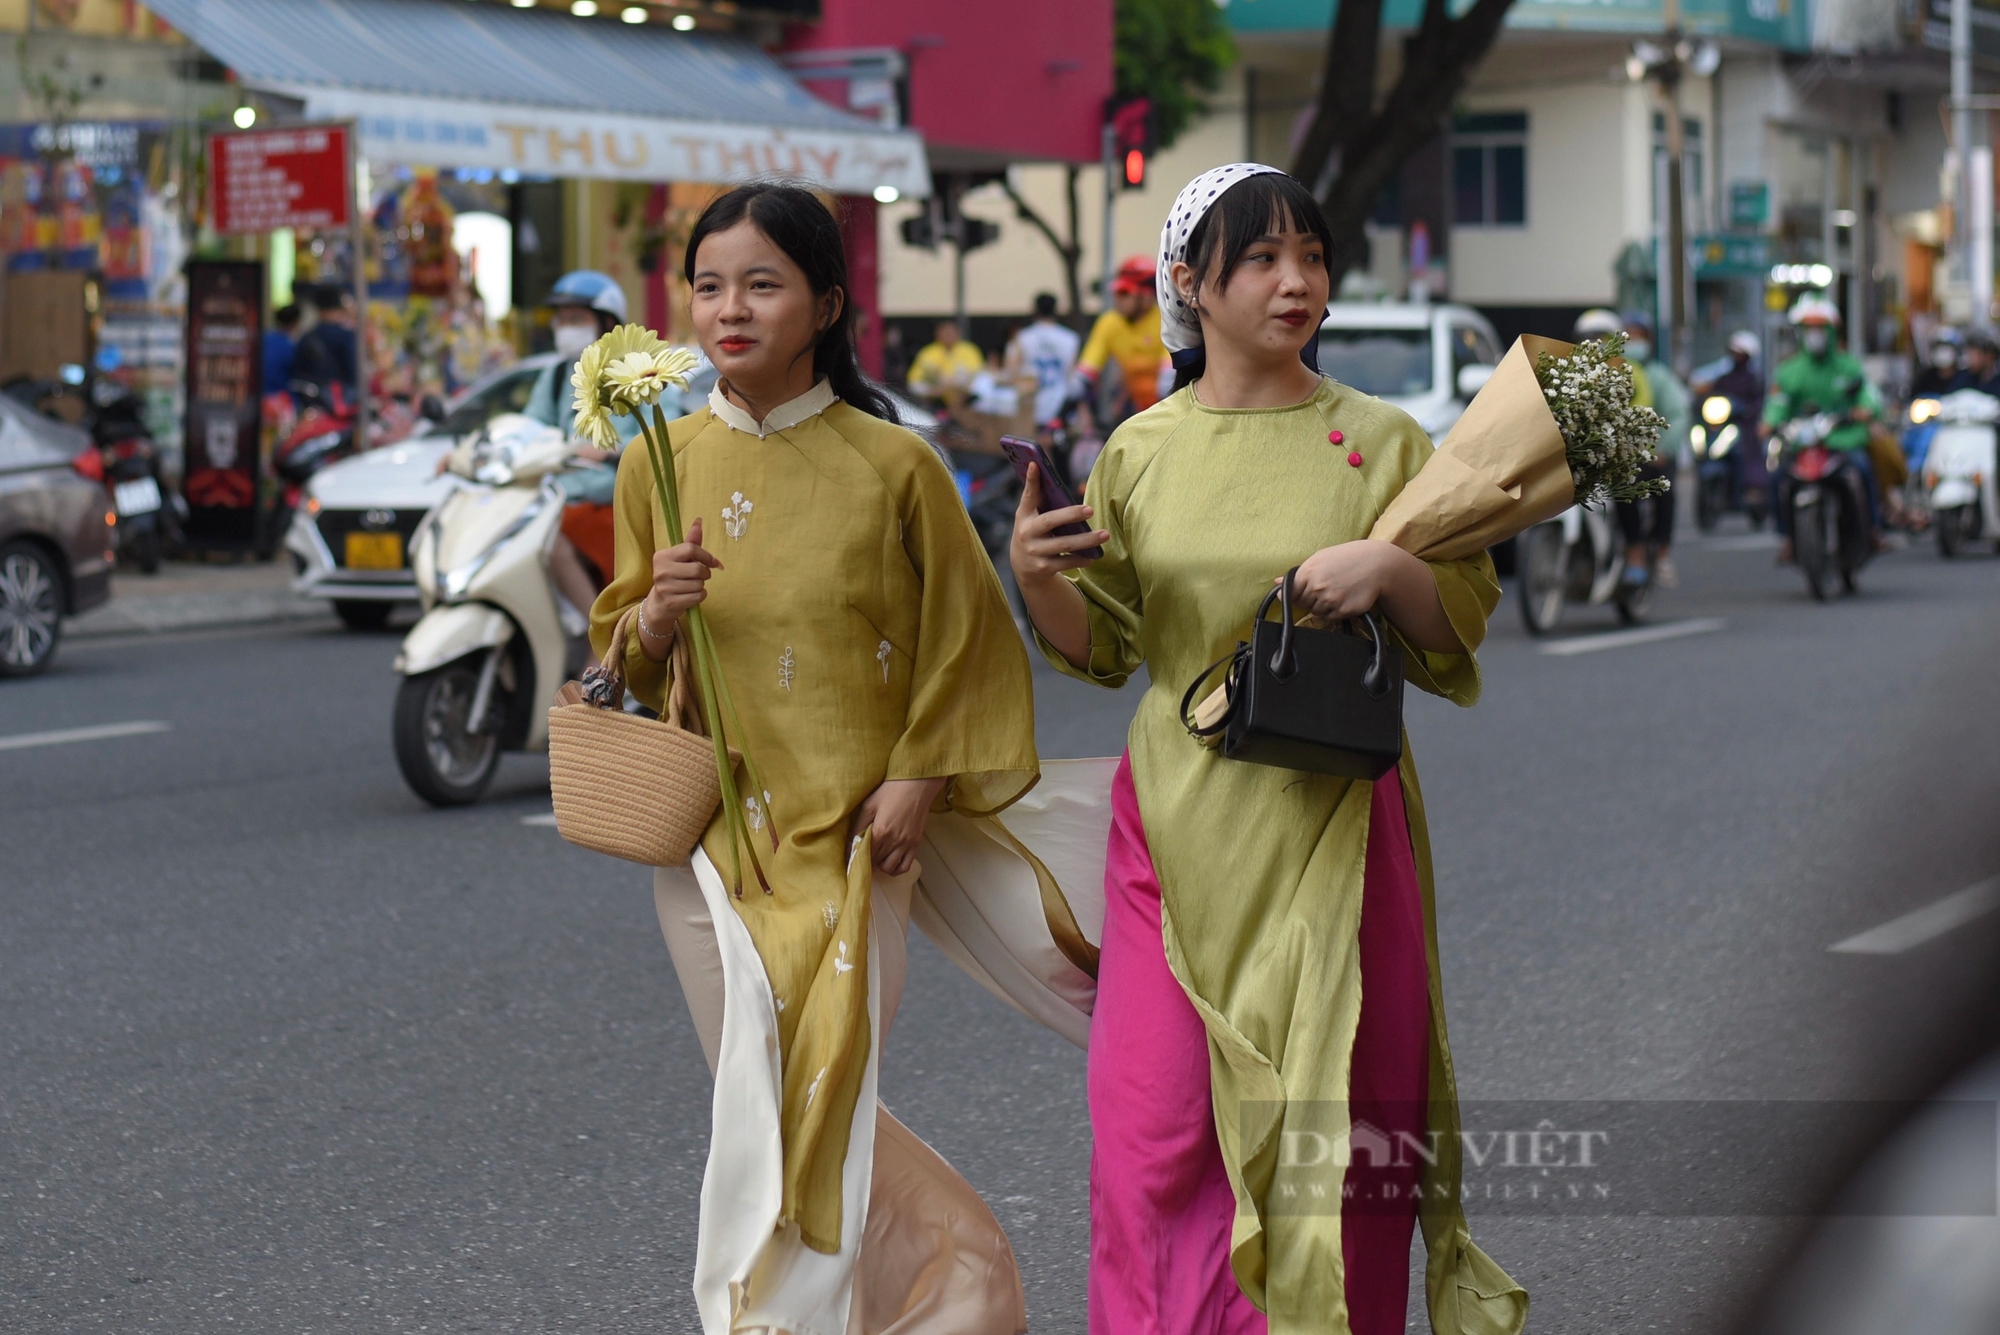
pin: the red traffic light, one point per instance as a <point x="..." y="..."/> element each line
<point x="1135" y="168"/>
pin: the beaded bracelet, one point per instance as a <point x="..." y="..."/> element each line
<point x="647" y="630"/>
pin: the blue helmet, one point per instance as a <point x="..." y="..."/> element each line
<point x="593" y="291"/>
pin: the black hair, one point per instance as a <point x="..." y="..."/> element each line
<point x="1254" y="207"/>
<point x="800" y="225"/>
<point x="1045" y="305"/>
<point x="286" y="316"/>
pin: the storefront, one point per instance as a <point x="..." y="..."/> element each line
<point x="500" y="147"/>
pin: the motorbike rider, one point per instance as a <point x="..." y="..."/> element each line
<point x="1822" y="377"/>
<point x="1742" y="383"/>
<point x="585" y="305"/>
<point x="1129" y="335"/>
<point x="1982" y="363"/>
<point x="1945" y="371"/>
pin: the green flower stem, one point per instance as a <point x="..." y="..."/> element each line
<point x="707" y="665"/>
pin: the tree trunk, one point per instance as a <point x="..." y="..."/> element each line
<point x="1069" y="252"/>
<point x="1353" y="150"/>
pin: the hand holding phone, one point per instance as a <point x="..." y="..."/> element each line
<point x="1053" y="493"/>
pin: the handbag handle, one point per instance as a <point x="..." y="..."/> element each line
<point x="1375" y="679"/>
<point x="1187" y="701"/>
<point x="680" y="700"/>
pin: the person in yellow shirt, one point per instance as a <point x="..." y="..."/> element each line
<point x="943" y="369"/>
<point x="1128" y="334"/>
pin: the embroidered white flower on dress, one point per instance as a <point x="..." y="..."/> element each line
<point x="756" y="810"/>
<point x="736" y="516"/>
<point x="788" y="669"/>
<point x="842" y="964"/>
<point x="882" y="656"/>
<point x="780" y="1002"/>
<point x="831" y="915"/>
<point x="813" y="1088"/>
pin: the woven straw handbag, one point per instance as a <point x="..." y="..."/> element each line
<point x="637" y="788"/>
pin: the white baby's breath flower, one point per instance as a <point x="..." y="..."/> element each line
<point x="1606" y="437"/>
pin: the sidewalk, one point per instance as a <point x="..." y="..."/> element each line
<point x="195" y="595"/>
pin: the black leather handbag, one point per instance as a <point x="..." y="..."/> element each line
<point x="1324" y="701"/>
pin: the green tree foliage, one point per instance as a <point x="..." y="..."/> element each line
<point x="1173" y="51"/>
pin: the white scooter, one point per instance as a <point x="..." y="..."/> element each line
<point x="495" y="640"/>
<point x="1577" y="557"/>
<point x="1959" y="471"/>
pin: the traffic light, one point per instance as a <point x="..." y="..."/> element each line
<point x="976" y="232"/>
<point x="1134" y="136"/>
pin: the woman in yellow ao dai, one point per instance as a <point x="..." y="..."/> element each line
<point x="871" y="652"/>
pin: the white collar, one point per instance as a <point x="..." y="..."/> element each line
<point x="781" y="418"/>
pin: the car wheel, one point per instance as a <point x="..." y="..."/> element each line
<point x="362" y="613"/>
<point x="446" y="763"/>
<point x="30" y="609"/>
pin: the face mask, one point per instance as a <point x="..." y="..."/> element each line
<point x="572" y="339"/>
<point x="1638" y="350"/>
<point x="1945" y="359"/>
<point x="1814" y="341"/>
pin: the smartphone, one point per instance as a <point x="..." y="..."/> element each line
<point x="1056" y="494"/>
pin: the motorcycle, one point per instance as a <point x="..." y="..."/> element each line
<point x="495" y="639"/>
<point x="1721" y="461"/>
<point x="122" y="456"/>
<point x="323" y="431"/>
<point x="1826" y="501"/>
<point x="1577" y="557"/>
<point x="1958" y="471"/>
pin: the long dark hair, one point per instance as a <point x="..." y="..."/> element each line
<point x="1255" y="206"/>
<point x="801" y="226"/>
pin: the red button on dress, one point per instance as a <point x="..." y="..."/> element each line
<point x="1334" y="438"/>
<point x="1354" y="458"/>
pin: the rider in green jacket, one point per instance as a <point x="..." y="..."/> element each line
<point x="1823" y="378"/>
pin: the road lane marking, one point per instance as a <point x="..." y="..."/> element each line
<point x="63" y="736"/>
<point x="547" y="818"/>
<point x="1748" y="542"/>
<point x="1619" y="639"/>
<point x="1925" y="924"/>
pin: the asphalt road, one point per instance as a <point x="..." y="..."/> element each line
<point x="283" y="1050"/>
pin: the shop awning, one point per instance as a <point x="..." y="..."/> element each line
<point x="449" y="84"/>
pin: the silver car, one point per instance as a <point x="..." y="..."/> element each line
<point x="55" y="534"/>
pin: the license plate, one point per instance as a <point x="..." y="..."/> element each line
<point x="374" y="551"/>
<point x="138" y="497"/>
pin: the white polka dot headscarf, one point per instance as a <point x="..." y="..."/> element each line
<point x="1180" y="329"/>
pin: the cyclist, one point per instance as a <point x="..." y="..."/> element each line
<point x="1945" y="370"/>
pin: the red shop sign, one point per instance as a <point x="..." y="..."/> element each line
<point x="261" y="180"/>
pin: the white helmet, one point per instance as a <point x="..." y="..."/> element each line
<point x="1814" y="309"/>
<point x="1597" y="322"/>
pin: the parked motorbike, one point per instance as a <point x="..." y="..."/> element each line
<point x="495" y="640"/>
<point x="1827" y="502"/>
<point x="1958" y="471"/>
<point x="122" y="456"/>
<point x="322" y="432"/>
<point x="1577" y="557"/>
<point x="1721" y="443"/>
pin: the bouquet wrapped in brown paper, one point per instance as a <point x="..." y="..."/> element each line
<point x="1503" y="468"/>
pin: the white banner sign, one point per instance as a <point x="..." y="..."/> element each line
<point x="537" y="141"/>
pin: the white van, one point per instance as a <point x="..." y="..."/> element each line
<point x="1428" y="360"/>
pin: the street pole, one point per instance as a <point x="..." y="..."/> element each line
<point x="1679" y="354"/>
<point x="357" y="238"/>
<point x="1110" y="201"/>
<point x="1961" y="146"/>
